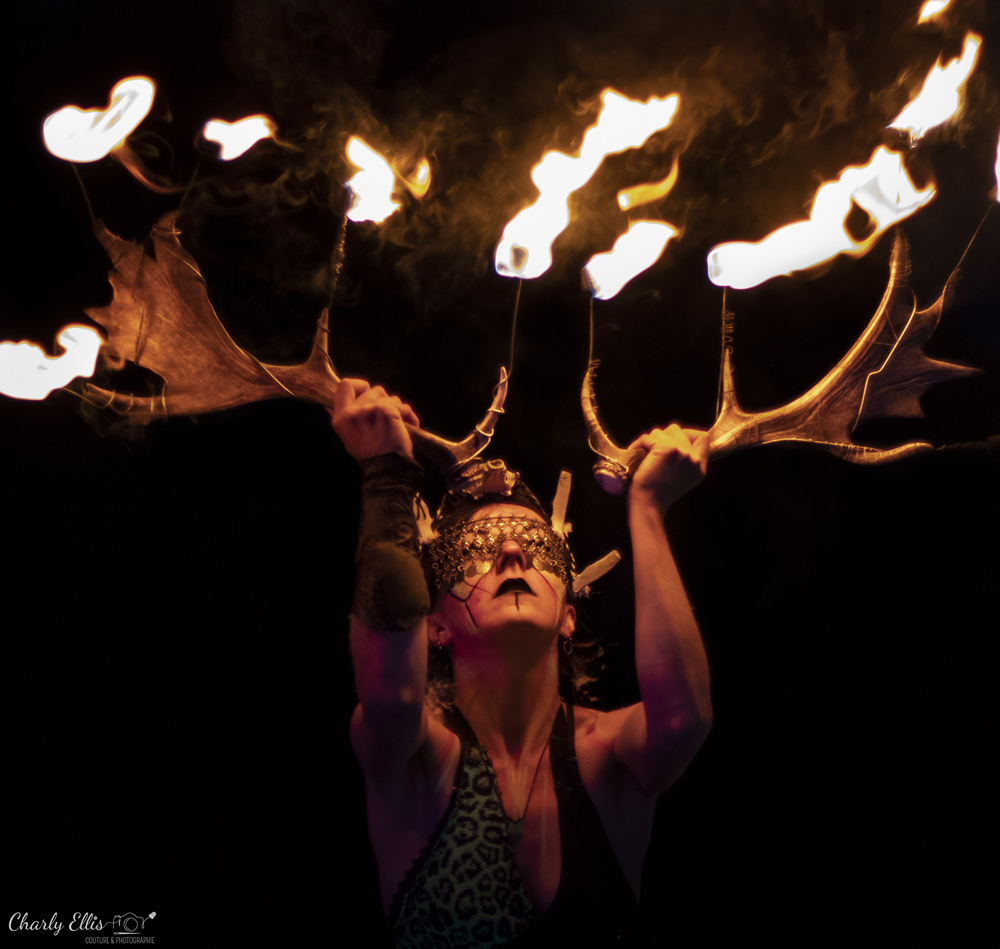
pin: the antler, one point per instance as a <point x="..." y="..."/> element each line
<point x="882" y="376"/>
<point x="614" y="471"/>
<point x="161" y="318"/>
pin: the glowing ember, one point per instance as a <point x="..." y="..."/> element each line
<point x="643" y="194"/>
<point x="372" y="186"/>
<point x="882" y="188"/>
<point x="84" y="135"/>
<point x="421" y="181"/>
<point x="939" y="99"/>
<point x="635" y="251"/>
<point x="932" y="8"/>
<point x="236" y="138"/>
<point x="26" y="372"/>
<point x="525" y="249"/>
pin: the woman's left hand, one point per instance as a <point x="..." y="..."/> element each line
<point x="677" y="460"/>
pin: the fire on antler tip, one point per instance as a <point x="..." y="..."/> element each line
<point x="931" y="9"/>
<point x="27" y="372"/>
<point x="88" y="135"/>
<point x="882" y="376"/>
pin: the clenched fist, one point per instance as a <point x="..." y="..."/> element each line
<point x="371" y="422"/>
<point x="676" y="461"/>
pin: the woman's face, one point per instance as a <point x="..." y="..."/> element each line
<point x="508" y="582"/>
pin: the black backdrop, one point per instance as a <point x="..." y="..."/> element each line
<point x="175" y="630"/>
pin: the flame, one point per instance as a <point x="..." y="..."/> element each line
<point x="372" y="186"/>
<point x="150" y="179"/>
<point x="421" y="181"/>
<point x="882" y="188"/>
<point x="643" y="194"/>
<point x="236" y="138"/>
<point x="939" y="99"/>
<point x="997" y="169"/>
<point x="525" y="250"/>
<point x="932" y="8"/>
<point x="635" y="251"/>
<point x="84" y="135"/>
<point x="26" y="372"/>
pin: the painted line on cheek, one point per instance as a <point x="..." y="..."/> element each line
<point x="465" y="602"/>
<point x="472" y="589"/>
<point x="467" y="607"/>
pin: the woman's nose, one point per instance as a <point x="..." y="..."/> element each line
<point x="509" y="556"/>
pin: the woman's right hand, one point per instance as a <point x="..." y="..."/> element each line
<point x="371" y="422"/>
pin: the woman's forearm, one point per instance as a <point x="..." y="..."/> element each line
<point x="670" y="657"/>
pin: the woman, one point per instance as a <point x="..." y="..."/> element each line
<point x="509" y="815"/>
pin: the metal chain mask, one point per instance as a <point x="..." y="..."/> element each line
<point x="469" y="549"/>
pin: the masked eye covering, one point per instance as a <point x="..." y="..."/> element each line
<point x="469" y="549"/>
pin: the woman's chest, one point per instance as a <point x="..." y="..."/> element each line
<point x="531" y="818"/>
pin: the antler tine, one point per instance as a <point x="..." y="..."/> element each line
<point x="161" y="318"/>
<point x="449" y="456"/>
<point x="616" y="467"/>
<point x="883" y="375"/>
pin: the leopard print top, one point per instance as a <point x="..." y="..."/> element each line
<point x="465" y="889"/>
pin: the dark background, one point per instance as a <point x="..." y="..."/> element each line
<point x="176" y="667"/>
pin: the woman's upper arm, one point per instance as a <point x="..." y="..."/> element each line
<point x="392" y="724"/>
<point x="655" y="758"/>
<point x="390" y="673"/>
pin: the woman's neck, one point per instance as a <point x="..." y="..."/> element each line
<point x="510" y="705"/>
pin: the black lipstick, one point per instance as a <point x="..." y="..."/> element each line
<point x="514" y="585"/>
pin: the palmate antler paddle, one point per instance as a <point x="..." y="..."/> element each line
<point x="161" y="318"/>
<point x="882" y="376"/>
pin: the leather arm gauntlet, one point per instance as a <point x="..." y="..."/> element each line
<point x="390" y="589"/>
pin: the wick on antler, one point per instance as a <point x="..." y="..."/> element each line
<point x="882" y="376"/>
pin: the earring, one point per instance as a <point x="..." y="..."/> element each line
<point x="567" y="646"/>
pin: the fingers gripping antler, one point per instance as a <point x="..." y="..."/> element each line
<point x="161" y="318"/>
<point x="883" y="375"/>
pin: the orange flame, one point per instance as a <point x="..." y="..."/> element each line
<point x="237" y="138"/>
<point x="882" y="188"/>
<point x="84" y="135"/>
<point x="932" y="8"/>
<point x="371" y="186"/>
<point x="421" y="181"/>
<point x="635" y="251"/>
<point x="525" y="250"/>
<point x="940" y="98"/>
<point x="26" y="372"/>
<point x="643" y="194"/>
<point x="133" y="164"/>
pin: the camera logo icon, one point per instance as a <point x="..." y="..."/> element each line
<point x="127" y="924"/>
